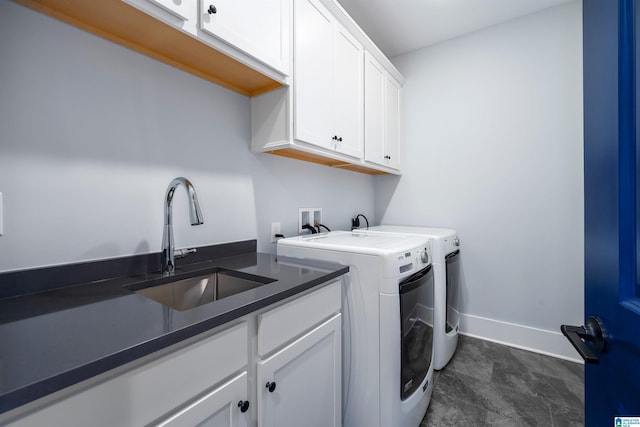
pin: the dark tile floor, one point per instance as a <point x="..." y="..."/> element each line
<point x="488" y="384"/>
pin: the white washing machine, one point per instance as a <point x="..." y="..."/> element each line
<point x="445" y="247"/>
<point x="387" y="323"/>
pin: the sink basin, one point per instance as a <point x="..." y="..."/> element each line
<point x="185" y="294"/>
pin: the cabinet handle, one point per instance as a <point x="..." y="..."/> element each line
<point x="340" y="139"/>
<point x="387" y="157"/>
<point x="335" y="137"/>
<point x="212" y="9"/>
<point x="271" y="386"/>
<point x="243" y="405"/>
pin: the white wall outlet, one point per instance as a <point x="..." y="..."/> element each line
<point x="1" y="218"/>
<point x="311" y="216"/>
<point x="275" y="229"/>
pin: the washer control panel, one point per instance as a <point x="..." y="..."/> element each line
<point x="408" y="261"/>
<point x="451" y="244"/>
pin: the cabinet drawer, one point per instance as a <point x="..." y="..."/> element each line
<point x="145" y="393"/>
<point x="283" y="323"/>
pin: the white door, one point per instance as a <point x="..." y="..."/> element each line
<point x="312" y="73"/>
<point x="226" y="406"/>
<point x="301" y="385"/>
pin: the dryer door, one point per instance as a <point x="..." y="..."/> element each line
<point x="416" y="311"/>
<point x="453" y="292"/>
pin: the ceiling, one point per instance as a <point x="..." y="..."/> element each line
<point x="400" y="26"/>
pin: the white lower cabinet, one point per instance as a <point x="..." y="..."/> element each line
<point x="218" y="379"/>
<point x="301" y="384"/>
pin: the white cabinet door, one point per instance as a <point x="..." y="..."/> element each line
<point x="392" y="122"/>
<point x="259" y="28"/>
<point x="223" y="407"/>
<point x="312" y="73"/>
<point x="381" y="115"/>
<point x="374" y="114"/>
<point x="308" y="381"/>
<point x="347" y="93"/>
<point x="178" y="8"/>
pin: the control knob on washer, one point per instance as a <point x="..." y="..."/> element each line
<point x="424" y="256"/>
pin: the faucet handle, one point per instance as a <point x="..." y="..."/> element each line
<point x="181" y="253"/>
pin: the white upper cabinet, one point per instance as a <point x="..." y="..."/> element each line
<point x="381" y="115"/>
<point x="320" y="117"/>
<point x="327" y="81"/>
<point x="260" y="28"/>
<point x="244" y="46"/>
<point x="312" y="73"/>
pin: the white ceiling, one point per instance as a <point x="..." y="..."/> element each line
<point x="400" y="26"/>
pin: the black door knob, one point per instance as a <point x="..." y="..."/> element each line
<point x="243" y="405"/>
<point x="212" y="9"/>
<point x="340" y="139"/>
<point x="271" y="386"/>
<point x="593" y="332"/>
<point x="335" y="137"/>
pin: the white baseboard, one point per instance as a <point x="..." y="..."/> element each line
<point x="550" y="343"/>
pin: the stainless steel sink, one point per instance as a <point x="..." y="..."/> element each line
<point x="188" y="293"/>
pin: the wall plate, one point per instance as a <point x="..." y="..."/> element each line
<point x="275" y="229"/>
<point x="309" y="216"/>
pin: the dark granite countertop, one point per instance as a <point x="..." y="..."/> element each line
<point x="60" y="336"/>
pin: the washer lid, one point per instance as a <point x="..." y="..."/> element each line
<point x="436" y="233"/>
<point x="346" y="241"/>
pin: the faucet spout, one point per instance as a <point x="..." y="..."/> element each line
<point x="168" y="248"/>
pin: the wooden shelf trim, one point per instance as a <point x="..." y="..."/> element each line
<point x="315" y="158"/>
<point x="127" y="26"/>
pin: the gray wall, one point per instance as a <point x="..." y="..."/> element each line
<point x="92" y="133"/>
<point x="493" y="148"/>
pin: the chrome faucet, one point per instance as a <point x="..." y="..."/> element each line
<point x="169" y="253"/>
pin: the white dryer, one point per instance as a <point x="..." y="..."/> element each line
<point x="387" y="323"/>
<point x="445" y="247"/>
